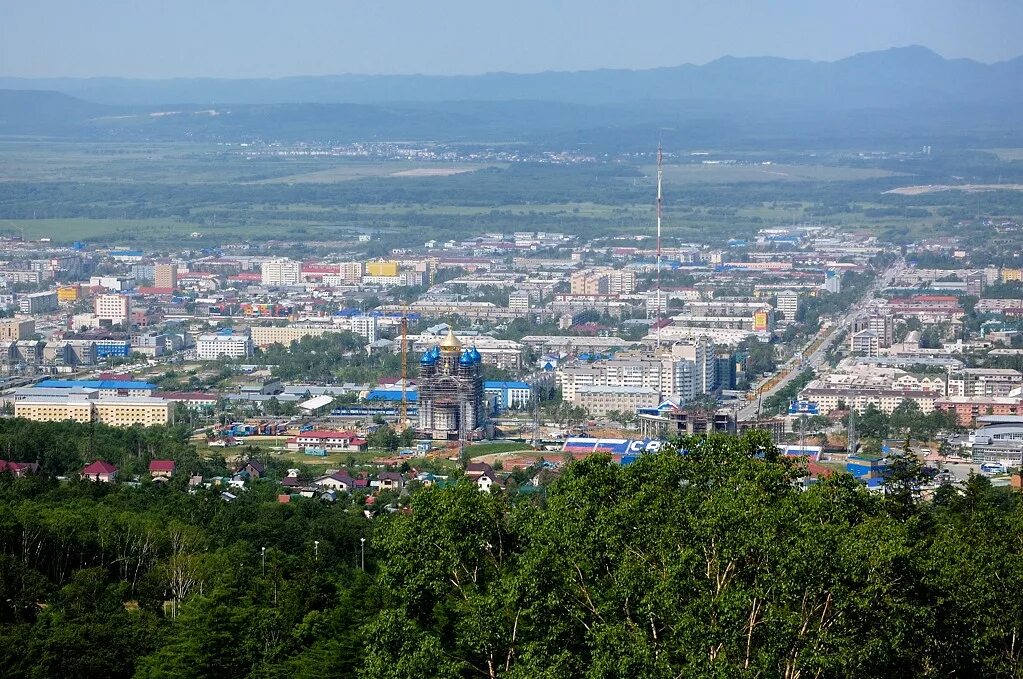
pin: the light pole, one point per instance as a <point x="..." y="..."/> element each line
<point x="363" y="541"/>
<point x="264" y="561"/>
<point x="316" y="550"/>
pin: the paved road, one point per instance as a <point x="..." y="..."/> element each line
<point x="749" y="411"/>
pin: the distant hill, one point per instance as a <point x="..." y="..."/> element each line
<point x="46" y="113"/>
<point x="905" y="97"/>
<point x="894" y="77"/>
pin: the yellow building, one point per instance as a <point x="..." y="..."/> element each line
<point x="1012" y="275"/>
<point x="381" y="268"/>
<point x="15" y="329"/>
<point x="113" y="411"/>
<point x="69" y="293"/>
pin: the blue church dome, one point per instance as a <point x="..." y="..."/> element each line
<point x="465" y="358"/>
<point x="475" y="355"/>
<point x="428" y="358"/>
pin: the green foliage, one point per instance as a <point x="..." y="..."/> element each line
<point x="710" y="564"/>
<point x="332" y="359"/>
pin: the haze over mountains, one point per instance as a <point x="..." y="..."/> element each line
<point x="907" y="91"/>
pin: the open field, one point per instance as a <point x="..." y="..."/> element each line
<point x="150" y="194"/>
<point x="352" y="170"/>
<point x="968" y="188"/>
<point x="727" y="173"/>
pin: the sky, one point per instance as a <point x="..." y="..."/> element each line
<point x="275" y="38"/>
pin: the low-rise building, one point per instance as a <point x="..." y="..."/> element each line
<point x="212" y="347"/>
<point x="330" y="441"/>
<point x="600" y="400"/>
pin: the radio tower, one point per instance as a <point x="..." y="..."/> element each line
<point x="657" y="302"/>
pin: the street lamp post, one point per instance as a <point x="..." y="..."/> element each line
<point x="316" y="550"/>
<point x="264" y="561"/>
<point x="363" y="541"/>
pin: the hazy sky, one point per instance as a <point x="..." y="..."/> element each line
<point x="253" y="38"/>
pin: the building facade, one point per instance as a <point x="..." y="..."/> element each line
<point x="450" y="391"/>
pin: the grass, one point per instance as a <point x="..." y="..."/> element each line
<point x="478" y="449"/>
<point x="760" y="173"/>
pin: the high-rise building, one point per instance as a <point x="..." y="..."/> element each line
<point x="365" y="326"/>
<point x="788" y="304"/>
<point x="450" y="390"/>
<point x="280" y="272"/>
<point x="165" y="276"/>
<point x="115" y="309"/>
<point x="833" y="282"/>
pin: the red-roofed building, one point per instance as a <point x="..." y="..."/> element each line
<point x="101" y="471"/>
<point x="195" y="400"/>
<point x="331" y="441"/>
<point x="18" y="469"/>
<point x="161" y="470"/>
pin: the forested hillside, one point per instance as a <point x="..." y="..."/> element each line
<point x="709" y="564"/>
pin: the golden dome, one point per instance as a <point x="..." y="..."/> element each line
<point x="450" y="344"/>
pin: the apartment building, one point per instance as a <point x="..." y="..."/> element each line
<point x="603" y="281"/>
<point x="38" y="302"/>
<point x="165" y="276"/>
<point x="984" y="382"/>
<point x="281" y="272"/>
<point x="116" y="411"/>
<point x="113" y="309"/>
<point x="14" y="329"/>
<point x="601" y="400"/>
<point x="365" y="326"/>
<point x="788" y="304"/>
<point x="212" y="347"/>
<point x="860" y="398"/>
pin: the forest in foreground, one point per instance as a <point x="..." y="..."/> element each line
<point x="710" y="564"/>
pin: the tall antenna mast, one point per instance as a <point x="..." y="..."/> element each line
<point x="660" y="173"/>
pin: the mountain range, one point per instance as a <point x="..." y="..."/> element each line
<point x="911" y="89"/>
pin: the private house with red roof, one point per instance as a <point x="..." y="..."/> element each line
<point x="161" y="470"/>
<point x="101" y="471"/>
<point x="18" y="469"/>
<point x="331" y="441"/>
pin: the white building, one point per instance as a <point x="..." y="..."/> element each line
<point x="365" y="326"/>
<point x="788" y="304"/>
<point x="113" y="308"/>
<point x="833" y="282"/>
<point x="212" y="347"/>
<point x="519" y="300"/>
<point x="280" y="272"/>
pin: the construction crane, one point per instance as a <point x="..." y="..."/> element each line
<point x="403" y="412"/>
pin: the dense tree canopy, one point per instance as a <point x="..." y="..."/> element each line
<point x="710" y="564"/>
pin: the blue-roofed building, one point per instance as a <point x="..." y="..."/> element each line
<point x="411" y="395"/>
<point x="106" y="348"/>
<point x="105" y="387"/>
<point x="508" y="395"/>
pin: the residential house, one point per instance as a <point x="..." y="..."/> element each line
<point x="390" y="481"/>
<point x="161" y="470"/>
<point x="18" y="469"/>
<point x="340" y="480"/>
<point x="101" y="471"/>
